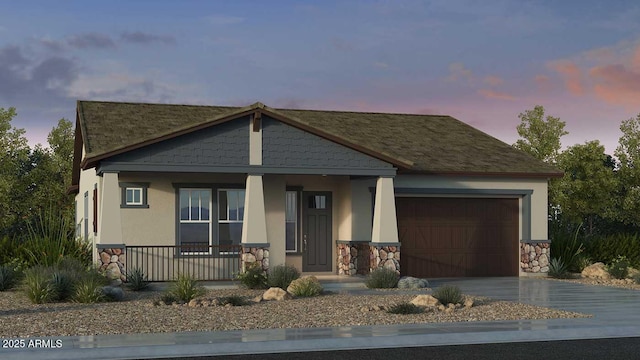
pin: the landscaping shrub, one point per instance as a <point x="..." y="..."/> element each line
<point x="51" y="238"/>
<point x="619" y="268"/>
<point x="168" y="298"/>
<point x="137" y="280"/>
<point x="566" y="245"/>
<point x="38" y="286"/>
<point x="8" y="277"/>
<point x="233" y="300"/>
<point x="253" y="277"/>
<point x="606" y="249"/>
<point x="382" y="278"/>
<point x="282" y="275"/>
<point x="448" y="294"/>
<point x="405" y="309"/>
<point x="185" y="288"/>
<point x="305" y="287"/>
<point x="582" y="262"/>
<point x="9" y="249"/>
<point x="558" y="269"/>
<point x="89" y="289"/>
<point x="63" y="283"/>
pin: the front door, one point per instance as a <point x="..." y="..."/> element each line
<point x="316" y="231"/>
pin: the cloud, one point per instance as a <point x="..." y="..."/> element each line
<point x="91" y="40"/>
<point x="27" y="81"/>
<point x="380" y="65"/>
<point x="617" y="84"/>
<point x="571" y="74"/>
<point x="52" y="45"/>
<point x="458" y="72"/>
<point x="224" y="20"/>
<point x="492" y="94"/>
<point x="493" y="80"/>
<point x="139" y="37"/>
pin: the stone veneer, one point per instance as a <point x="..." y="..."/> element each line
<point x="384" y="255"/>
<point x="112" y="262"/>
<point x="534" y="257"/>
<point x="254" y="253"/>
<point x="353" y="258"/>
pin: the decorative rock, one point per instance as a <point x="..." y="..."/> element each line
<point x="468" y="302"/>
<point x="265" y="264"/>
<point x="276" y="293"/>
<point x="259" y="254"/>
<point x="117" y="251"/>
<point x="408" y="282"/>
<point x="248" y="258"/>
<point x="354" y="252"/>
<point x="596" y="271"/>
<point x="121" y="258"/>
<point x="544" y="269"/>
<point x="382" y="254"/>
<point x="115" y="282"/>
<point x="543" y="261"/>
<point x="425" y="300"/>
<point x="112" y="271"/>
<point x="535" y="269"/>
<point x="114" y="259"/>
<point x="265" y="253"/>
<point x="449" y="310"/>
<point x="105" y="258"/>
<point x="193" y="303"/>
<point x="257" y="299"/>
<point x="113" y="292"/>
<point x="441" y="307"/>
<point x="534" y="263"/>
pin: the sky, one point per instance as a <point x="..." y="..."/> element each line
<point x="482" y="62"/>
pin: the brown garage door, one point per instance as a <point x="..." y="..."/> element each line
<point x="451" y="237"/>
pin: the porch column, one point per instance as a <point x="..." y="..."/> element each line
<point x="385" y="246"/>
<point x="110" y="224"/>
<point x="255" y="248"/>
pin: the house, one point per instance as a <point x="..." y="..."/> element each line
<point x="208" y="189"/>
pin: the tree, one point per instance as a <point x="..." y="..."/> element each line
<point x="540" y="136"/>
<point x="585" y="191"/>
<point x="628" y="153"/>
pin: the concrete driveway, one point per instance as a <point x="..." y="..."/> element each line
<point x="615" y="314"/>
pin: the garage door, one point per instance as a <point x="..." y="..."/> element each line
<point x="451" y="237"/>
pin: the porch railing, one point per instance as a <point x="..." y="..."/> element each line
<point x="202" y="262"/>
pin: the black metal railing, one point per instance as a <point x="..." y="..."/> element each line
<point x="202" y="262"/>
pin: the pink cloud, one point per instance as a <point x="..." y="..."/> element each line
<point x="571" y="75"/>
<point x="492" y="94"/>
<point x="617" y="84"/>
<point x="493" y="80"/>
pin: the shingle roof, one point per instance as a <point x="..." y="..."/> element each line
<point x="433" y="144"/>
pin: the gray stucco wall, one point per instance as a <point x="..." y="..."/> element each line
<point x="286" y="146"/>
<point x="224" y="144"/>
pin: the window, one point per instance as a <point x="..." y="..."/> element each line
<point x="134" y="195"/>
<point x="195" y="220"/>
<point x="230" y="216"/>
<point x="291" y="220"/>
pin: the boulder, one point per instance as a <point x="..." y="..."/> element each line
<point x="409" y="282"/>
<point x="596" y="271"/>
<point x="112" y="271"/>
<point x="425" y="300"/>
<point x="105" y="258"/>
<point x="468" y="302"/>
<point x="114" y="293"/>
<point x="275" y="293"/>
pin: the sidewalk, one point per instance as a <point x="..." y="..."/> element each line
<point x="615" y="314"/>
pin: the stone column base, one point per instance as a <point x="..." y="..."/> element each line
<point x="384" y="255"/>
<point x="112" y="261"/>
<point x="255" y="255"/>
<point x="535" y="257"/>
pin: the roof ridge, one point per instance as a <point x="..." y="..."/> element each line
<point x="159" y="104"/>
<point x="364" y="112"/>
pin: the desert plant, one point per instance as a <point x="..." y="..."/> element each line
<point x="185" y="288"/>
<point x="566" y="245"/>
<point x="8" y="277"/>
<point x="607" y="248"/>
<point x="38" y="286"/>
<point x="282" y="275"/>
<point x="558" y="269"/>
<point x="50" y="238"/>
<point x="137" y="280"/>
<point x="305" y="287"/>
<point x="253" y="277"/>
<point x="89" y="290"/>
<point x="9" y="249"/>
<point x="233" y="300"/>
<point x="448" y="294"/>
<point x="168" y="298"/>
<point x="405" y="309"/>
<point x="619" y="267"/>
<point x="382" y="278"/>
<point x="63" y="283"/>
<point x="582" y="262"/>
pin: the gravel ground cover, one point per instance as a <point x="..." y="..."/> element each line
<point x="138" y="314"/>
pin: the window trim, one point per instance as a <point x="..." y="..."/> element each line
<point x="298" y="231"/>
<point x="143" y="186"/>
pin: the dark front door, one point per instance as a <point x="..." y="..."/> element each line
<point x="316" y="231"/>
